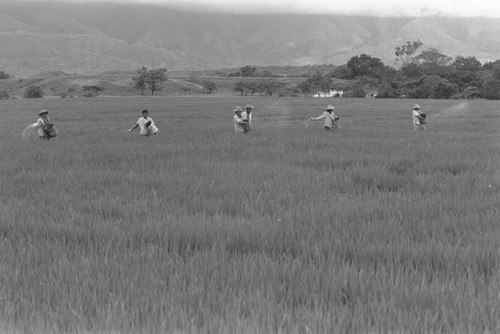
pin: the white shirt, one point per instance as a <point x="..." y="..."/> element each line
<point x="40" y="123"/>
<point x="238" y="124"/>
<point x="246" y="116"/>
<point x="152" y="129"/>
<point x="416" y="114"/>
<point x="329" y="118"/>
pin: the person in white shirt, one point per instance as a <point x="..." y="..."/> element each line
<point x="240" y="123"/>
<point x="146" y="125"/>
<point x="46" y="130"/>
<point x="247" y="114"/>
<point x="418" y="118"/>
<point x="328" y="116"/>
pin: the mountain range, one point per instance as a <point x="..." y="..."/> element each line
<point x="90" y="37"/>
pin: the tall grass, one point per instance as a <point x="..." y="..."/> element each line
<point x="289" y="229"/>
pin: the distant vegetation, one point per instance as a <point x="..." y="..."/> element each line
<point x="33" y="92"/>
<point x="418" y="73"/>
<point x="4" y="75"/>
<point x="428" y="74"/>
<point x="149" y="79"/>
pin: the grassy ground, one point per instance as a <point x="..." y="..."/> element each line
<point x="288" y="229"/>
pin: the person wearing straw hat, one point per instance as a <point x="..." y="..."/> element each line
<point x="240" y="123"/>
<point x="146" y="124"/>
<point x="418" y="118"/>
<point x="46" y="129"/>
<point x="329" y="117"/>
<point x="247" y="114"/>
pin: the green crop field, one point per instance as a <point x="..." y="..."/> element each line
<point x="372" y="228"/>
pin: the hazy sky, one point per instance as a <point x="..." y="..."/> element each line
<point x="463" y="8"/>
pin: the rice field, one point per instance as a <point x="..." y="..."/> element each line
<point x="372" y="228"/>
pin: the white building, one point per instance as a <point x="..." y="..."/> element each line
<point x="332" y="93"/>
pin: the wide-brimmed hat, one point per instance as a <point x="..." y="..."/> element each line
<point x="330" y="107"/>
<point x="238" y="108"/>
<point x="416" y="106"/>
<point x="42" y="112"/>
<point x="249" y="106"/>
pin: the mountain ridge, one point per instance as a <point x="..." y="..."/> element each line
<point x="98" y="37"/>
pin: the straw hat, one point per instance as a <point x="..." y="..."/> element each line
<point x="416" y="106"/>
<point x="238" y="109"/>
<point x="42" y="112"/>
<point x="330" y="107"/>
<point x="249" y="106"/>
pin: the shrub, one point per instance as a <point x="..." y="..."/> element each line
<point x="89" y="93"/>
<point x="491" y="89"/>
<point x="4" y="95"/>
<point x="472" y="93"/>
<point x="33" y="92"/>
<point x="355" y="91"/>
<point x="444" y="90"/>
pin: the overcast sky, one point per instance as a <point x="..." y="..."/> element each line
<point x="463" y="8"/>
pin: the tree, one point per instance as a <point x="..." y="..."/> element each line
<point x="491" y="89"/>
<point x="290" y="90"/>
<point x="270" y="86"/>
<point x="252" y="87"/>
<point x="356" y="90"/>
<point x="466" y="64"/>
<point x="434" y="57"/>
<point x="387" y="89"/>
<point x="423" y="87"/>
<point x="411" y="70"/>
<point x="491" y="64"/>
<point x="342" y="72"/>
<point x="304" y="87"/>
<point x="248" y="71"/>
<point x="4" y="75"/>
<point x="471" y="93"/>
<point x="239" y="87"/>
<point x="33" y="92"/>
<point x="208" y="86"/>
<point x="140" y="79"/>
<point x="365" y="65"/>
<point x="404" y="54"/>
<point x="444" y="90"/>
<point x="149" y="79"/>
<point x="155" y="79"/>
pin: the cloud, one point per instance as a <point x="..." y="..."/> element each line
<point x="460" y="8"/>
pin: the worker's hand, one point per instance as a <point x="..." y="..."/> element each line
<point x="129" y="130"/>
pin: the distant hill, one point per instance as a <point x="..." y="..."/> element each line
<point x="95" y="37"/>
<point x="119" y="83"/>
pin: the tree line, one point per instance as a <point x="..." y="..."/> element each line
<point x="418" y="74"/>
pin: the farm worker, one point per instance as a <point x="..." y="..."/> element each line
<point x="247" y="114"/>
<point x="418" y="118"/>
<point x="240" y="124"/>
<point x="328" y="116"/>
<point x="46" y="129"/>
<point x="146" y="124"/>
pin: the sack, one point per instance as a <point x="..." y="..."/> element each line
<point x="50" y="130"/>
<point x="422" y="118"/>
